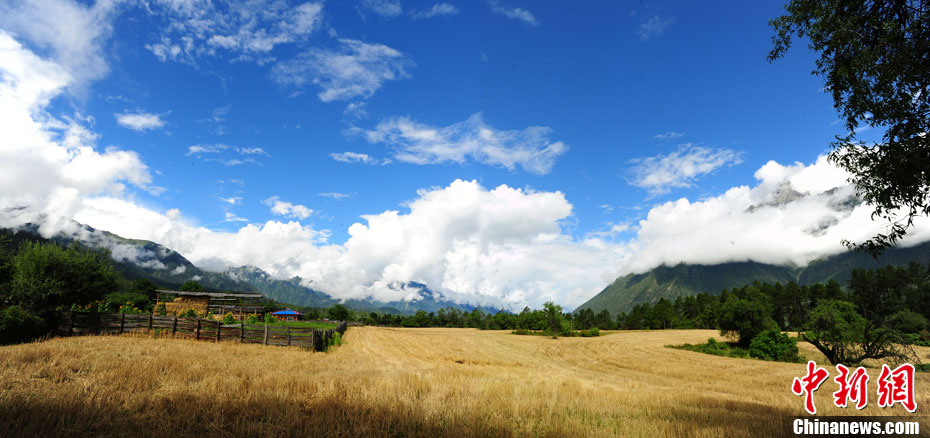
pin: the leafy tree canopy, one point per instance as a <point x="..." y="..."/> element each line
<point x="875" y="60"/>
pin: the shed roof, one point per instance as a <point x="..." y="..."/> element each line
<point x="210" y="294"/>
<point x="286" y="312"/>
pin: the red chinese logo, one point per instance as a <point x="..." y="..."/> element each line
<point x="894" y="386"/>
<point x="897" y="386"/>
<point x="808" y="384"/>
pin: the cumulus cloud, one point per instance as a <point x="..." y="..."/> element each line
<point x="286" y="209"/>
<point x="662" y="173"/>
<point x="72" y="33"/>
<point x="653" y="28"/>
<point x="515" y="13"/>
<point x="246" y="30"/>
<point x="232" y="200"/>
<point x="796" y="213"/>
<point x="139" y="121"/>
<point x="355" y="70"/>
<point x="60" y="149"/>
<point x="502" y="246"/>
<point x="438" y="10"/>
<point x="418" y="143"/>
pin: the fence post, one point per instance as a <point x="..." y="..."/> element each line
<point x="97" y="329"/>
<point x="218" y="330"/>
<point x="266" y="334"/>
<point x="288" y="336"/>
<point x="197" y="332"/>
<point x="71" y="328"/>
<point x="241" y="332"/>
<point x="151" y="316"/>
<point x="122" y="322"/>
<point x="174" y="328"/>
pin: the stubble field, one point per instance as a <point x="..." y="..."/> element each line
<point x="406" y="382"/>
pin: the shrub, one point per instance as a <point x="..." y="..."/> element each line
<point x="18" y="325"/>
<point x="772" y="344"/>
<point x="161" y="310"/>
<point x="269" y="319"/>
<point x="189" y="313"/>
<point x="252" y="319"/>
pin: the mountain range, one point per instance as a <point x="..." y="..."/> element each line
<point x="683" y="280"/>
<point x="136" y="259"/>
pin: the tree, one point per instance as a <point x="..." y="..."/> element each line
<point x="47" y="277"/>
<point x="338" y="312"/>
<point x="553" y="314"/>
<point x="874" y="61"/>
<point x="192" y="286"/>
<point x="745" y="317"/>
<point x="845" y="337"/>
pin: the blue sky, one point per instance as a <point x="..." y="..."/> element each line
<point x="213" y="120"/>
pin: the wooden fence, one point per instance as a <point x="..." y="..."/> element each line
<point x="93" y="323"/>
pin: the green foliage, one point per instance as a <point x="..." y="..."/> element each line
<point x="252" y="319"/>
<point x="135" y="300"/>
<point x="715" y="348"/>
<point x="744" y="316"/>
<point x="18" y="325"/>
<point x="336" y="340"/>
<point x="192" y="286"/>
<point x="844" y="336"/>
<point x="772" y="344"/>
<point x="161" y="310"/>
<point x="229" y="318"/>
<point x="554" y="319"/>
<point x="189" y="313"/>
<point x="338" y="312"/>
<point x="873" y="58"/>
<point x="269" y="319"/>
<point x="47" y="277"/>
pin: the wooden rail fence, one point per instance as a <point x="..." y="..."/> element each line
<point x="93" y="323"/>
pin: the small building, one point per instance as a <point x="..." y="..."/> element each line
<point x="217" y="303"/>
<point x="287" y="315"/>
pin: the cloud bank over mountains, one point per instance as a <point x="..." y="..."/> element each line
<point x="491" y="246"/>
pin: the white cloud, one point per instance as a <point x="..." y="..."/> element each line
<point x="355" y="70"/>
<point x="221" y="153"/>
<point x="795" y="214"/>
<point x="384" y="8"/>
<point x="662" y="173"/>
<point x="668" y="135"/>
<point x="335" y="195"/>
<point x="286" y="209"/>
<point x="246" y="30"/>
<point x="515" y="13"/>
<point x="231" y="217"/>
<point x="139" y="120"/>
<point x="417" y="143"/>
<point x="438" y="10"/>
<point x="653" y="28"/>
<point x="61" y="150"/>
<point x="73" y="34"/>
<point x="502" y="246"/>
<point x="355" y="157"/>
<point x="232" y="200"/>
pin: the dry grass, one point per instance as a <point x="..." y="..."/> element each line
<point x="403" y="382"/>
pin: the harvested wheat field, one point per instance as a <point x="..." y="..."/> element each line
<point x="404" y="382"/>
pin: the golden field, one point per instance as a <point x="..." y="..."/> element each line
<point x="406" y="382"/>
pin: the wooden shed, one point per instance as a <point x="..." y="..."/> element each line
<point x="217" y="303"/>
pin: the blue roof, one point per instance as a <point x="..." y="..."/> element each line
<point x="286" y="312"/>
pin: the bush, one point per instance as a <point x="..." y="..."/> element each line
<point x="161" y="310"/>
<point x="252" y="319"/>
<point x="189" y="313"/>
<point x="18" y="325"/>
<point x="772" y="344"/>
<point x="269" y="319"/>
